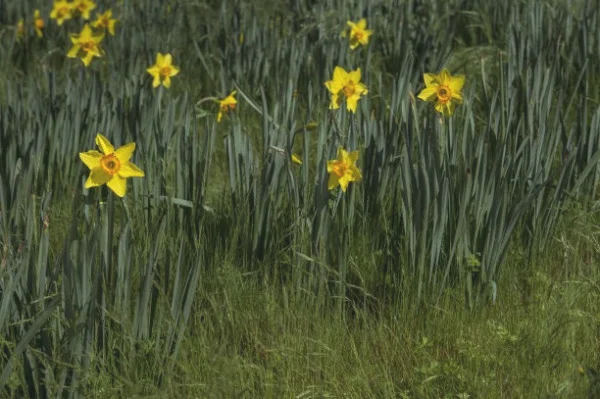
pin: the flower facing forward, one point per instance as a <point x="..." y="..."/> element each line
<point x="345" y="86"/>
<point x="343" y="170"/>
<point x="86" y="45"/>
<point x="359" y="34"/>
<point x="163" y="70"/>
<point x="83" y="7"/>
<point x="106" y="22"/>
<point x="61" y="11"/>
<point x="111" y="167"/>
<point x="444" y="90"/>
<point x="227" y="104"/>
<point x="38" y="23"/>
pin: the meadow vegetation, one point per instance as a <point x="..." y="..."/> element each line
<point x="322" y="207"/>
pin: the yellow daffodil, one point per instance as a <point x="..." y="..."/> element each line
<point x="227" y="104"/>
<point x="444" y="90"/>
<point x="86" y="45"/>
<point x="84" y="7"/>
<point x="38" y="23"/>
<point x="345" y="85"/>
<point x="343" y="170"/>
<point x="163" y="69"/>
<point x="359" y="34"/>
<point x="20" y="30"/>
<point x="61" y="11"/>
<point x="105" y="21"/>
<point x="111" y="167"/>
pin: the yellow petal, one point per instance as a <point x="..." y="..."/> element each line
<point x="296" y="159"/>
<point x="456" y="83"/>
<point x="445" y="77"/>
<point x="362" y="24"/>
<point x="91" y="159"/>
<point x="156" y="81"/>
<point x="118" y="185"/>
<point x="344" y="180"/>
<point x="219" y="116"/>
<point x="174" y="71"/>
<point x="73" y="52"/>
<point x="354" y="76"/>
<point x="336" y="100"/>
<point x="356" y="175"/>
<point x="340" y="74"/>
<point x="430" y="79"/>
<point x="128" y="169"/>
<point x="167" y="81"/>
<point x="428" y="93"/>
<point x="333" y="181"/>
<point x="334" y="86"/>
<point x="353" y="157"/>
<point x="351" y="103"/>
<point x="167" y="60"/>
<point x="105" y="146"/>
<point x="125" y="152"/>
<point x="97" y="177"/>
<point x="159" y="60"/>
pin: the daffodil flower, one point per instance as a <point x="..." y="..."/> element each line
<point x="84" y="7"/>
<point x="359" y="34"/>
<point x="38" y="23"/>
<point x="111" y="167"/>
<point x="105" y="21"/>
<point x="227" y="104"/>
<point x="86" y="45"/>
<point x="345" y="86"/>
<point x="163" y="69"/>
<point x="61" y="11"/>
<point x="444" y="90"/>
<point x="343" y="170"/>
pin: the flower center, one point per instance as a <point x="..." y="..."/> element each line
<point x="349" y="89"/>
<point x="358" y="34"/>
<point x="227" y="107"/>
<point x="104" y="22"/>
<point x="165" y="71"/>
<point x="110" y="163"/>
<point x="39" y="23"/>
<point x="88" y="46"/>
<point x="443" y="93"/>
<point x="339" y="168"/>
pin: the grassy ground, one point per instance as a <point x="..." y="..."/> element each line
<point x="463" y="265"/>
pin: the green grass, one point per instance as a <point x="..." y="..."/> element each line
<point x="464" y="264"/>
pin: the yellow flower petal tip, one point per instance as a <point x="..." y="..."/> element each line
<point x="343" y="170"/>
<point x="345" y="86"/>
<point x="358" y="34"/>
<point x="443" y="89"/>
<point x="109" y="166"/>
<point x="163" y="70"/>
<point x="296" y="159"/>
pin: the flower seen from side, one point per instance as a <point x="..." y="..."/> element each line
<point x="20" y="30"/>
<point x="345" y="86"/>
<point x="86" y="45"/>
<point x="227" y="104"/>
<point x="343" y="170"/>
<point x="163" y="70"/>
<point x="358" y="34"/>
<point x="61" y="11"/>
<point x="444" y="90"/>
<point x="109" y="166"/>
<point x="38" y="23"/>
<point x="106" y="22"/>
